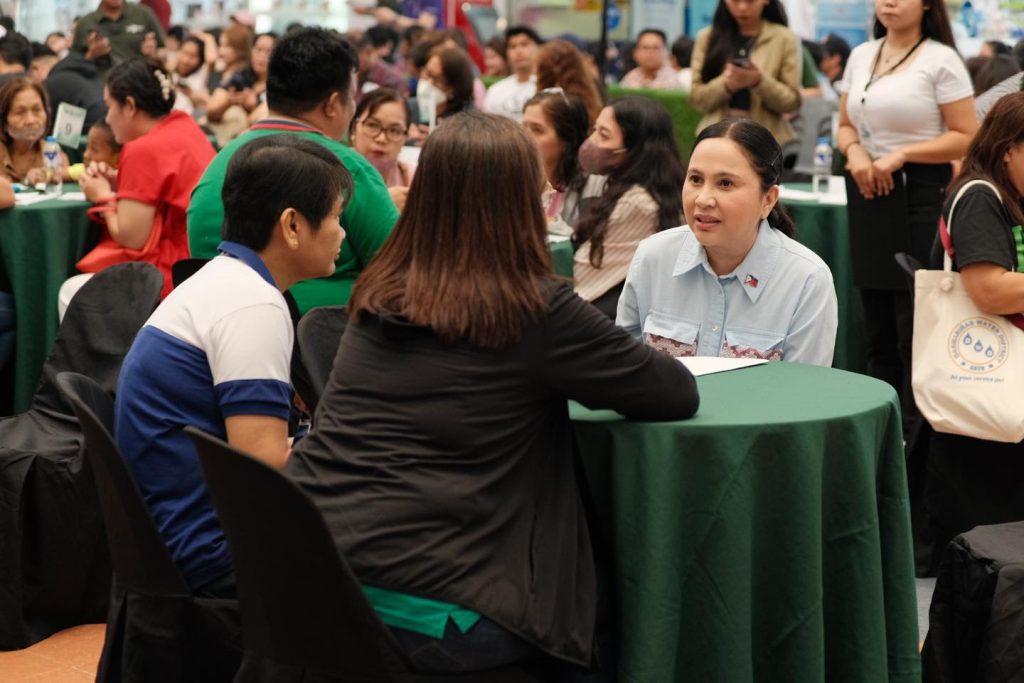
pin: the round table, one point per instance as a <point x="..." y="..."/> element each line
<point x="766" y="539"/>
<point x="824" y="229"/>
<point x="40" y="244"/>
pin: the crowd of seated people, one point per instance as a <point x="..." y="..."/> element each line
<point x="283" y="161"/>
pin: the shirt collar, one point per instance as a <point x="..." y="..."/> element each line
<point x="752" y="273"/>
<point x="248" y="257"/>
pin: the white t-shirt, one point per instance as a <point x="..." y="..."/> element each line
<point x="508" y="96"/>
<point x="903" y="107"/>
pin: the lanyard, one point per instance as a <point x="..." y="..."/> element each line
<point x="874" y="65"/>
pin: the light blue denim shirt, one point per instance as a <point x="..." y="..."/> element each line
<point x="779" y="303"/>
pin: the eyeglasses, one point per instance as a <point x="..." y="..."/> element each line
<point x="373" y="129"/>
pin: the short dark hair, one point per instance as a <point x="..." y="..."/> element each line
<point x="682" y="50"/>
<point x="177" y="32"/>
<point x="15" y="49"/>
<point x="382" y="35"/>
<point x="40" y="50"/>
<point x="835" y="45"/>
<point x="523" y="30"/>
<point x="105" y="128"/>
<point x="652" y="32"/>
<point x="270" y="174"/>
<point x="308" y="66"/>
<point x="816" y="50"/>
<point x="145" y="81"/>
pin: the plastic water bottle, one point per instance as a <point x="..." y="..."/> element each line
<point x="52" y="166"/>
<point x="822" y="165"/>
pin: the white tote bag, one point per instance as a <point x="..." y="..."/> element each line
<point x="968" y="366"/>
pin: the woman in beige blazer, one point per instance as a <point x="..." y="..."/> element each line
<point x="747" y="63"/>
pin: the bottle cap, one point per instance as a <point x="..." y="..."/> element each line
<point x="51" y="138"/>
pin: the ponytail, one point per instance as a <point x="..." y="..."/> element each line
<point x="780" y="219"/>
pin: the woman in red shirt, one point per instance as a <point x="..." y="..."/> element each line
<point x="143" y="202"/>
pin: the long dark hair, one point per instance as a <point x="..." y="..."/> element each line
<point x="1002" y="128"/>
<point x="934" y="24"/>
<point x="468" y="257"/>
<point x="765" y="157"/>
<point x="651" y="161"/>
<point x="725" y="34"/>
<point x="457" y="69"/>
<point x="568" y="116"/>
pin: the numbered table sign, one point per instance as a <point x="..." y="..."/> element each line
<point x="68" y="125"/>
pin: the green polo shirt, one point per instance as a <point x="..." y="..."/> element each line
<point x="126" y="32"/>
<point x="367" y="219"/>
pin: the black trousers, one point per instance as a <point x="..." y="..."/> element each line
<point x="969" y="483"/>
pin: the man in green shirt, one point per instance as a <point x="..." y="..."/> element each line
<point x="116" y="32"/>
<point x="310" y="92"/>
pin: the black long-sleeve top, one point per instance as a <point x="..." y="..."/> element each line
<point x="446" y="471"/>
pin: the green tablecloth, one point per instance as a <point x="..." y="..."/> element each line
<point x="561" y="256"/>
<point x="40" y="245"/>
<point x="825" y="230"/>
<point x="767" y="539"/>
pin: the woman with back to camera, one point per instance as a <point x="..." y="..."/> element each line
<point x="732" y="282"/>
<point x="905" y="112"/>
<point x="164" y="154"/>
<point x="442" y="453"/>
<point x="633" y="145"/>
<point x="970" y="482"/>
<point x="558" y="123"/>
<point x="748" y="64"/>
<point x="378" y="131"/>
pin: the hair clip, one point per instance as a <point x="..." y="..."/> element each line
<point x="165" y="83"/>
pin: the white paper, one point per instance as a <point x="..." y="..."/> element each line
<point x="409" y="154"/>
<point x="73" y="196"/>
<point x="836" y="194"/>
<point x="28" y="198"/>
<point x="554" y="237"/>
<point x="68" y="124"/>
<point x="799" y="195"/>
<point x="709" y="365"/>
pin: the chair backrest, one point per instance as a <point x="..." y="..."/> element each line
<point x="300" y="602"/>
<point x="318" y="336"/>
<point x="142" y="563"/>
<point x="816" y="121"/>
<point x="185" y="268"/>
<point x="98" y="329"/>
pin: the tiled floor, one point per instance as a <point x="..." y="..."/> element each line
<point x="66" y="657"/>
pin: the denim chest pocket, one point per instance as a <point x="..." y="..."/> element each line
<point x="671" y="335"/>
<point x="746" y="343"/>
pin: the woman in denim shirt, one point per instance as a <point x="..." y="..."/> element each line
<point x="732" y="282"/>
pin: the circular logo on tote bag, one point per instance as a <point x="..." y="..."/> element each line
<point x="978" y="345"/>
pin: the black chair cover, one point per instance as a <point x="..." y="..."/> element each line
<point x="54" y="565"/>
<point x="317" y="338"/>
<point x="976" y="619"/>
<point x="156" y="630"/>
<point x="304" y="614"/>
